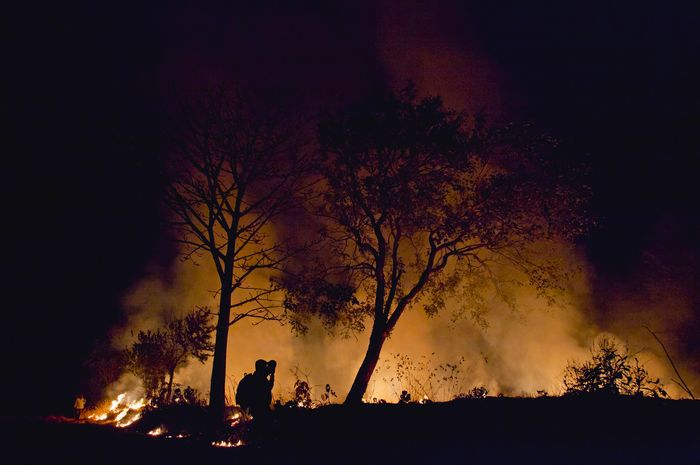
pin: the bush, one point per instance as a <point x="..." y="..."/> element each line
<point x="302" y="394"/>
<point x="477" y="392"/>
<point x="611" y="371"/>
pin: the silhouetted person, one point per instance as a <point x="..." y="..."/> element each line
<point x="79" y="406"/>
<point x="177" y="396"/>
<point x="190" y="396"/>
<point x="254" y="392"/>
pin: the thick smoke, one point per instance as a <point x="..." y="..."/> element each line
<point x="520" y="352"/>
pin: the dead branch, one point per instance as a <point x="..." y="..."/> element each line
<point x="682" y="383"/>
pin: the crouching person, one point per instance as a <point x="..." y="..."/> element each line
<point x="254" y="393"/>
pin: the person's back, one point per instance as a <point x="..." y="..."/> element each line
<point x="262" y="394"/>
<point x="246" y="391"/>
<point x="254" y="392"/>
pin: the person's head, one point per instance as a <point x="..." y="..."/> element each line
<point x="261" y="366"/>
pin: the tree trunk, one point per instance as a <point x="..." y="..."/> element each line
<point x="364" y="374"/>
<point x="217" y="390"/>
<point x="169" y="394"/>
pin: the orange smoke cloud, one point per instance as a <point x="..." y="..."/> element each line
<point x="520" y="352"/>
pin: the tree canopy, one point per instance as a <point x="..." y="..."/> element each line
<point x="420" y="202"/>
<point x="159" y="353"/>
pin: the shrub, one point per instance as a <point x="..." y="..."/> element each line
<point x="477" y="392"/>
<point x="611" y="371"/>
<point x="302" y="394"/>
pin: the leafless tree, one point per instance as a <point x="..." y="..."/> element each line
<point x="237" y="166"/>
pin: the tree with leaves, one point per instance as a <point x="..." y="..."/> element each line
<point x="236" y="167"/>
<point x="158" y="354"/>
<point x="145" y="360"/>
<point x="421" y="203"/>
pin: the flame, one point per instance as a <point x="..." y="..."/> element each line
<point x="227" y="443"/>
<point x="124" y="424"/>
<point x="120" y="413"/>
<point x="235" y="419"/>
<point x="157" y="432"/>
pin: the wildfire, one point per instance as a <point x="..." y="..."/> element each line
<point x="227" y="443"/>
<point x="237" y="418"/>
<point x="157" y="431"/>
<point x="121" y="413"/>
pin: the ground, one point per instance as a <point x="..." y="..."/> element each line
<point x="469" y="431"/>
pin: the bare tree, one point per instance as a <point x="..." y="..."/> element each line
<point x="420" y="203"/>
<point x="237" y="166"/>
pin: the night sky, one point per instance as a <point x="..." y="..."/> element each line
<point x="90" y="88"/>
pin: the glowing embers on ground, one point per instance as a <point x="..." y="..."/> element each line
<point x="157" y="431"/>
<point x="121" y="412"/>
<point x="238" y="417"/>
<point x="239" y="422"/>
<point x="238" y="443"/>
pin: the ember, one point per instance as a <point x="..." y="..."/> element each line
<point x="227" y="443"/>
<point x="238" y="417"/>
<point x="157" y="431"/>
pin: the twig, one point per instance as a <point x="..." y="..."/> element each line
<point x="682" y="383"/>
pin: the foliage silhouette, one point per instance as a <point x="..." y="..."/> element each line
<point x="159" y="353"/>
<point x="611" y="371"/>
<point x="421" y="203"/>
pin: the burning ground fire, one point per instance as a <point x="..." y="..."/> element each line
<point x="121" y="412"/>
<point x="227" y="443"/>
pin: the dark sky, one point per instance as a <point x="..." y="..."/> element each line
<point x="90" y="86"/>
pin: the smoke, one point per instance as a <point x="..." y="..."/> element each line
<point x="127" y="384"/>
<point x="520" y="352"/>
<point x="430" y="46"/>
